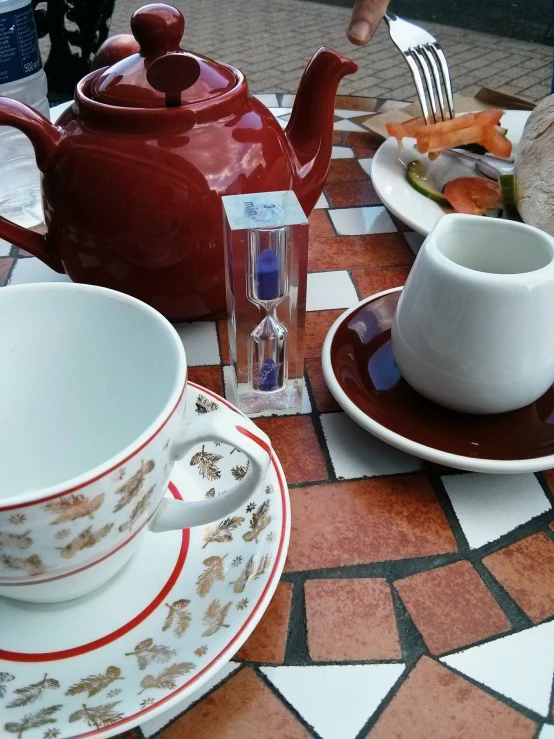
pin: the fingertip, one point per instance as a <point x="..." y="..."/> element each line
<point x="359" y="33"/>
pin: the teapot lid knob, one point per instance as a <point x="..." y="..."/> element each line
<point x="158" y="28"/>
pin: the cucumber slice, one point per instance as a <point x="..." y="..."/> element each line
<point x="415" y="174"/>
<point x="508" y="185"/>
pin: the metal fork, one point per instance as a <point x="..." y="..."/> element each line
<point x="427" y="64"/>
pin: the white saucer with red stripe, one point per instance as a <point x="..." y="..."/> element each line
<point x="163" y="626"/>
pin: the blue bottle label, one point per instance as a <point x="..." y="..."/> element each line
<point x="19" y="51"/>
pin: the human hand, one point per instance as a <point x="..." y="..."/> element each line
<point x="366" y="16"/>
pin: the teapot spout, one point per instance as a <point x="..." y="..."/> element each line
<point x="310" y="128"/>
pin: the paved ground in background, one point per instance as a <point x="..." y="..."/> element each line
<point x="272" y="41"/>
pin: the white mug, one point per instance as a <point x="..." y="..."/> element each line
<point x="91" y="423"/>
<point x="474" y="326"/>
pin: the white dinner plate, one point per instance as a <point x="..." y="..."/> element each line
<point x="415" y="210"/>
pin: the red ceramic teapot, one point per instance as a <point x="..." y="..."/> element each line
<point x="134" y="171"/>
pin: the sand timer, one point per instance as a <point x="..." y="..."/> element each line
<point x="267" y="285"/>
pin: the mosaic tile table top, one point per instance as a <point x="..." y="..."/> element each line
<point x="416" y="602"/>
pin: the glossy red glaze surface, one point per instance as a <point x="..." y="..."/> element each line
<point x="363" y="364"/>
<point x="132" y="196"/>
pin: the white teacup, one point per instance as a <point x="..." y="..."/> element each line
<point x="474" y="327"/>
<point x="91" y="423"/>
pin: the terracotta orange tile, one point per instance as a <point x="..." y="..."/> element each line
<point x="552" y="525"/>
<point x="549" y="475"/>
<point x="526" y="570"/>
<point x="320" y="225"/>
<point x="342" y="170"/>
<point x="451" y="607"/>
<point x="366" y="139"/>
<point x="223" y="332"/>
<point x="364" y="521"/>
<point x="434" y="703"/>
<point x="318" y="324"/>
<point x="337" y="137"/>
<point x="352" y="102"/>
<point x="238" y="710"/>
<point x="354" y="252"/>
<point x="209" y="376"/>
<point x="350" y="620"/>
<point x="297" y="447"/>
<point x="268" y="641"/>
<point x="322" y="395"/>
<point x="364" y="152"/>
<point x="371" y="281"/>
<point x="5" y="267"/>
<point x="350" y="194"/>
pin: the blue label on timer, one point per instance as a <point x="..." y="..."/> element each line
<point x="19" y="51"/>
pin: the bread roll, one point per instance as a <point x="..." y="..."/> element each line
<point x="534" y="166"/>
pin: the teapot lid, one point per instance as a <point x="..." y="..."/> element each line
<point x="161" y="74"/>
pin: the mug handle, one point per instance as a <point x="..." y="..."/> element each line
<point x="179" y="514"/>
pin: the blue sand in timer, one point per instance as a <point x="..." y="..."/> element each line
<point x="267" y="287"/>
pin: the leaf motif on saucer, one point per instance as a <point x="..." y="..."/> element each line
<point x="205" y="405"/>
<point x="86" y="539"/>
<point x="147" y="652"/>
<point x="33" y="721"/>
<point x="240" y="470"/>
<point x="166" y="679"/>
<point x="31" y="565"/>
<point x="15" y="541"/>
<point x="178" y="618"/>
<point x="207" y="464"/>
<point x="260" y="519"/>
<point x="270" y="489"/>
<point x="222" y="533"/>
<point x="51" y="733"/>
<point x="17" y="519"/>
<point x="98" y="716"/>
<point x="214" y="570"/>
<point x="215" y="616"/>
<point x="32" y="693"/>
<point x="5" y="677"/>
<point x="201" y="651"/>
<point x="130" y="489"/>
<point x="138" y="510"/>
<point x="251" y="572"/>
<point x="93" y="684"/>
<point x="72" y="507"/>
<point x="210" y="493"/>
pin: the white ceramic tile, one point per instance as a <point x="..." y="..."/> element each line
<point x="285" y="118"/>
<point x="366" y="164"/>
<point x="337" y="700"/>
<point x="269" y="99"/>
<point x="352" y="113"/>
<point x="151" y="727"/>
<point x="393" y="105"/>
<point x="322" y="202"/>
<point x="289" y="100"/>
<point x="489" y="506"/>
<point x="356" y="453"/>
<point x="282" y="123"/>
<point x="230" y="395"/>
<point x="519" y="666"/>
<point x="356" y="221"/>
<point x="278" y="112"/>
<point x="414" y="240"/>
<point x="33" y="270"/>
<point x="346" y="125"/>
<point x="547" y="732"/>
<point x="5" y="248"/>
<point x="329" y="290"/>
<point x="200" y="342"/>
<point x="342" y="152"/>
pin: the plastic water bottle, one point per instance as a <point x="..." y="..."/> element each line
<point x="21" y="78"/>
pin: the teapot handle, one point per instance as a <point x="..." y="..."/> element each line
<point x="44" y="137"/>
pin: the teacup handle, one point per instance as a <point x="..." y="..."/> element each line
<point x="179" y="514"/>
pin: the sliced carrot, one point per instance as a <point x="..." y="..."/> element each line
<point x="412" y="127"/>
<point x="405" y="130"/>
<point x="497" y="144"/>
<point x="449" y="140"/>
<point x="473" y="195"/>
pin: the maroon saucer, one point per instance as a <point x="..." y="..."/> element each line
<point x="361" y="373"/>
